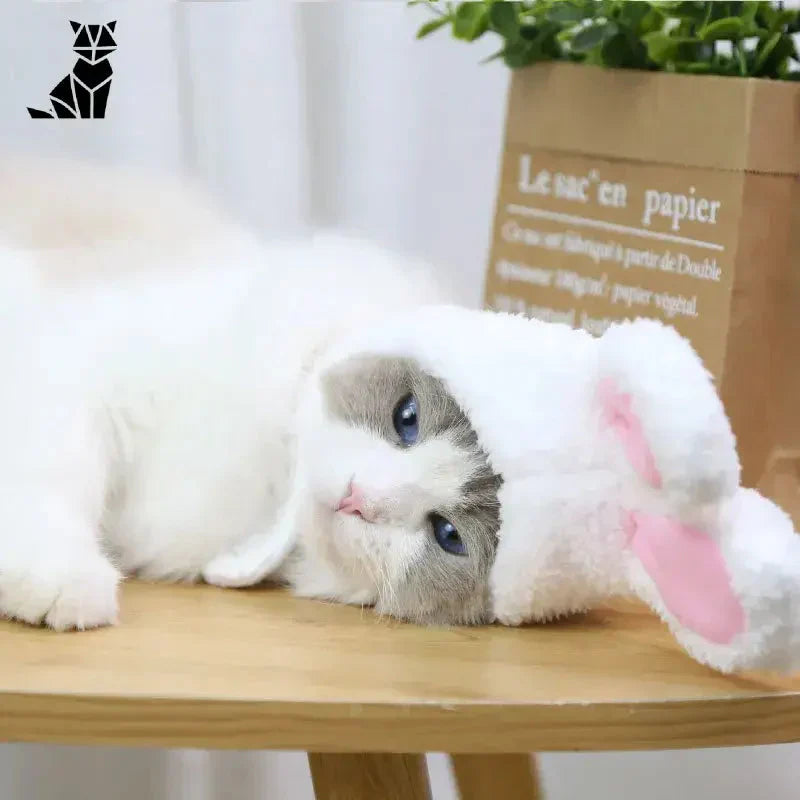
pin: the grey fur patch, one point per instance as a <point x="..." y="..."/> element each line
<point x="440" y="588"/>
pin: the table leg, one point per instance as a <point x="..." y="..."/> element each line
<point x="368" y="776"/>
<point x="489" y="777"/>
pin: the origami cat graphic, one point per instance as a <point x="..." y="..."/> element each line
<point x="84" y="92"/>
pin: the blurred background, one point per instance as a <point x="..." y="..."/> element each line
<point x="297" y="115"/>
<point x="293" y="114"/>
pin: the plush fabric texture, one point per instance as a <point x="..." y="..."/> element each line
<point x="620" y="477"/>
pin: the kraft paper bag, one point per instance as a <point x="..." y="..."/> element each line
<point x="634" y="194"/>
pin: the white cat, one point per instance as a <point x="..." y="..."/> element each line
<point x="308" y="411"/>
<point x="87" y="222"/>
<point x="149" y="427"/>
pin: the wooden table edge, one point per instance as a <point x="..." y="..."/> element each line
<point x="463" y="727"/>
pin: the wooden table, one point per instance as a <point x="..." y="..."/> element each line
<point x="195" y="666"/>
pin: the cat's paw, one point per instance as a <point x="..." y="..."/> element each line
<point x="232" y="570"/>
<point x="64" y="596"/>
<point x="252" y="560"/>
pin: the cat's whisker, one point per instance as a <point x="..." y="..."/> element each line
<point x="390" y="586"/>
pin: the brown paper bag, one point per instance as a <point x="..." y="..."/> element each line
<point x="630" y="194"/>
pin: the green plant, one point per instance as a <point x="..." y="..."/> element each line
<point x="751" y="39"/>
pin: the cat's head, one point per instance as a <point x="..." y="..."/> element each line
<point x="406" y="503"/>
<point x="93" y="43"/>
<point x="434" y="431"/>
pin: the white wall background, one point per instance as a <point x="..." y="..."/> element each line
<point x="296" y="115"/>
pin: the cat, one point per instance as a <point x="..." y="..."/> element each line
<point x="88" y="222"/>
<point x="84" y="92"/>
<point x="157" y="424"/>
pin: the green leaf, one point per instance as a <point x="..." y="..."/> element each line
<point x="653" y="20"/>
<point x="624" y="50"/>
<point x="593" y="36"/>
<point x="755" y="32"/>
<point x="659" y="46"/>
<point x="777" y="49"/>
<point x="675" y="36"/>
<point x="749" y="14"/>
<point x="782" y="19"/>
<point x="430" y="27"/>
<point x="765" y="51"/>
<point x="504" y="18"/>
<point x="663" y="48"/>
<point x="695" y="12"/>
<point x="726" y="28"/>
<point x="564" y="12"/>
<point x="470" y="21"/>
<point x="519" y="54"/>
<point x="719" y="10"/>
<point x="615" y="52"/>
<point x="695" y="67"/>
<point x="773" y="19"/>
<point x="724" y="65"/>
<point x="547" y="44"/>
<point x="635" y="14"/>
<point x="741" y="58"/>
<point x="493" y="56"/>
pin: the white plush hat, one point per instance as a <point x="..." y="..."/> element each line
<point x="620" y="476"/>
<point x="575" y="465"/>
<point x="524" y="386"/>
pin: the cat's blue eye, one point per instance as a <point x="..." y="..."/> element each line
<point x="406" y="420"/>
<point x="447" y="537"/>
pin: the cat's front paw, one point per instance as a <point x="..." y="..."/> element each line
<point x="64" y="596"/>
<point x="232" y="570"/>
<point x="253" y="560"/>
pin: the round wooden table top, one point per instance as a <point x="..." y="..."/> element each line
<point x="195" y="666"/>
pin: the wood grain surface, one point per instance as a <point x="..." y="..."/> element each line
<point x="506" y="776"/>
<point x="196" y="666"/>
<point x="369" y="776"/>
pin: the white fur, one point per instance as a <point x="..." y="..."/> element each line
<point x="762" y="554"/>
<point x="83" y="221"/>
<point x="531" y="392"/>
<point x="171" y="424"/>
<point x="345" y="558"/>
<point x="682" y="416"/>
<point x="149" y="423"/>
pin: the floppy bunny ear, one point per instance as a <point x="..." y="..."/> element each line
<point x="703" y="559"/>
<point x="731" y="593"/>
<point x="689" y="571"/>
<point x="720" y="564"/>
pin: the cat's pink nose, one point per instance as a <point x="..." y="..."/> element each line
<point x="354" y="503"/>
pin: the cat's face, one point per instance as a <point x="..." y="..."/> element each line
<point x="93" y="43"/>
<point x="406" y="513"/>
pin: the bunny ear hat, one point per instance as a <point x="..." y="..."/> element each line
<point x="620" y="476"/>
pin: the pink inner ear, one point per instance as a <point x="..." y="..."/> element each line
<point x="685" y="563"/>
<point x="688" y="568"/>
<point x="618" y="415"/>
